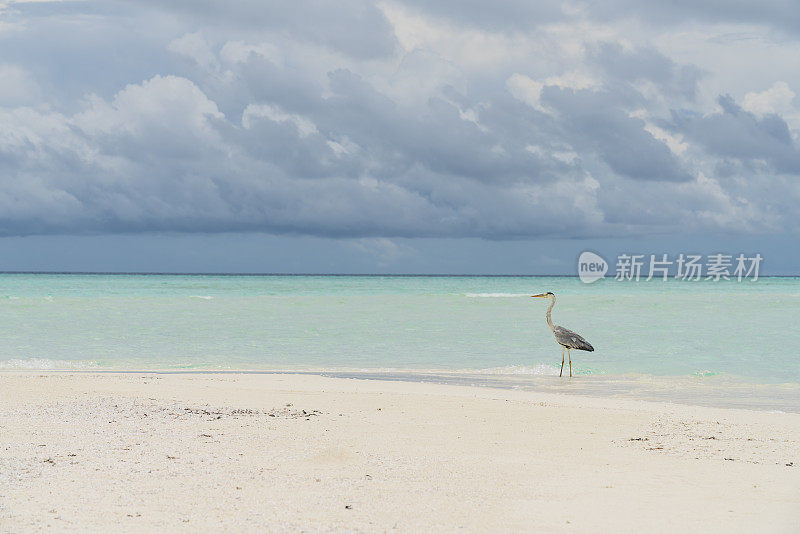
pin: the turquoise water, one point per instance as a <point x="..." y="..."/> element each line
<point x="747" y="330"/>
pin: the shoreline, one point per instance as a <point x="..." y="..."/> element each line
<point x="286" y="452"/>
<point x="714" y="391"/>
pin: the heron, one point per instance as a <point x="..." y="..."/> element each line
<point x="564" y="336"/>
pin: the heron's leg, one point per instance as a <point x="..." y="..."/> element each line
<point x="570" y="363"/>
<point x="562" y="361"/>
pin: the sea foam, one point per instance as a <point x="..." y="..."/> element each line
<point x="47" y="364"/>
<point x="536" y="370"/>
<point x="495" y="295"/>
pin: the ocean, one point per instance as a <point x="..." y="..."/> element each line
<point x="668" y="340"/>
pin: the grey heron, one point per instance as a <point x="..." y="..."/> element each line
<point x="564" y="336"/>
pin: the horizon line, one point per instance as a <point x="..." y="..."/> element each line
<point x="170" y="273"/>
<point x="439" y="275"/>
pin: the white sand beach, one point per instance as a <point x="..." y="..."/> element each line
<point x="292" y="453"/>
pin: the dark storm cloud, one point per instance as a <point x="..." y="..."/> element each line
<point x="313" y="118"/>
<point x="522" y="15"/>
<point x="734" y="133"/>
<point x="437" y="138"/>
<point x="782" y="14"/>
<point x="595" y="121"/>
<point x="647" y="64"/>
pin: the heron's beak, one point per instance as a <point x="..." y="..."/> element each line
<point x="539" y="295"/>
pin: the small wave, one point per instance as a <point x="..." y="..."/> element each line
<point x="47" y="364"/>
<point x="537" y="370"/>
<point x="204" y="297"/>
<point x="704" y="374"/>
<point x="495" y="295"/>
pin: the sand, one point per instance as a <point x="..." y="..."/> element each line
<point x="292" y="453"/>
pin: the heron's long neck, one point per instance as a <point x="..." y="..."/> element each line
<point x="549" y="320"/>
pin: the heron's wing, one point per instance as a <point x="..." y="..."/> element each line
<point x="570" y="339"/>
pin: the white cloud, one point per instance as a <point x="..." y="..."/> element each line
<point x="420" y="75"/>
<point x="343" y="146"/>
<point x="169" y="103"/>
<point x="776" y="99"/>
<point x="735" y="58"/>
<point x="675" y="142"/>
<point x="195" y="47"/>
<point x="564" y="156"/>
<point x="569" y="40"/>
<point x="527" y="90"/>
<point x="252" y="112"/>
<point x="569" y="157"/>
<point x="240" y="51"/>
<point x="467" y="47"/>
<point x="575" y="80"/>
<point x="721" y="209"/>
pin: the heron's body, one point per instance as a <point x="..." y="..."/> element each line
<point x="570" y="340"/>
<point x="564" y="336"/>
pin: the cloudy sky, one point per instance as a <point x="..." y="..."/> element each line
<point x="396" y="136"/>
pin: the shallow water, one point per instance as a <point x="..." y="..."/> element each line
<point x="743" y="331"/>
